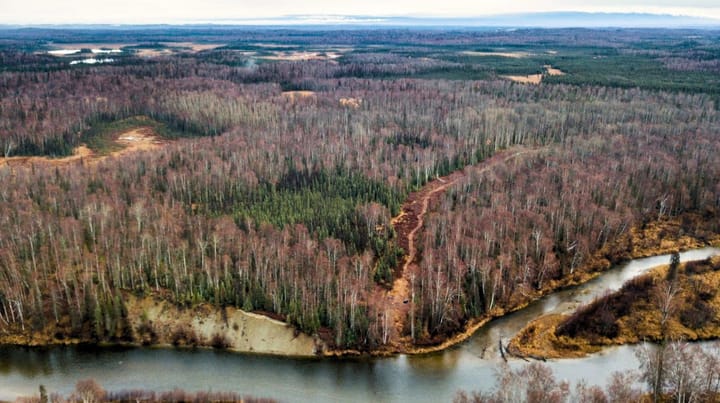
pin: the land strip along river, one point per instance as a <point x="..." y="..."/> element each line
<point x="430" y="378"/>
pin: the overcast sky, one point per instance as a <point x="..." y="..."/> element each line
<point x="188" y="11"/>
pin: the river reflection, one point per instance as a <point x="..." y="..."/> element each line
<point x="429" y="378"/>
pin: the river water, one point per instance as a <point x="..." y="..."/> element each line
<point x="429" y="378"/>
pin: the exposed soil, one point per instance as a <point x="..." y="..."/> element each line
<point x="206" y="325"/>
<point x="139" y="139"/>
<point x="155" y="321"/>
<point x="529" y="79"/>
<point x="551" y="71"/>
<point x="408" y="225"/>
<point x="536" y="78"/>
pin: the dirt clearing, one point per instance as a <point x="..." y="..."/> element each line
<point x="139" y="139"/>
<point x="205" y="325"/>
<point x="536" y="78"/>
<point x="529" y="79"/>
<point x="551" y="71"/>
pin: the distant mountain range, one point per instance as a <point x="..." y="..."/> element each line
<point x="569" y="19"/>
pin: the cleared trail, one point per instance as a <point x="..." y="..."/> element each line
<point x="408" y="225"/>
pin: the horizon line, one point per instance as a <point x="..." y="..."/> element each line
<point x="336" y="19"/>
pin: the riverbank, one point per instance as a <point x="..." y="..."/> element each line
<point x="153" y="321"/>
<point x="156" y="321"/>
<point x="664" y="304"/>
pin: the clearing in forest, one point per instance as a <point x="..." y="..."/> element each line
<point x="536" y="78"/>
<point x="138" y="139"/>
<point x="529" y="79"/>
<point x="551" y="71"/>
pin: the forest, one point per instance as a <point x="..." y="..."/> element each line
<point x="284" y="157"/>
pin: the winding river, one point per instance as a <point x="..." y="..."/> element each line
<point x="430" y="378"/>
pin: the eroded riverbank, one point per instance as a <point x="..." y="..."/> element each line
<point x="153" y="321"/>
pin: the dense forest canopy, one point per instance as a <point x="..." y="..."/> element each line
<point x="284" y="159"/>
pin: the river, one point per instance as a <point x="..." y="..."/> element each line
<point x="430" y="378"/>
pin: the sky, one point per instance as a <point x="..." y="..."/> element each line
<point x="194" y="11"/>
